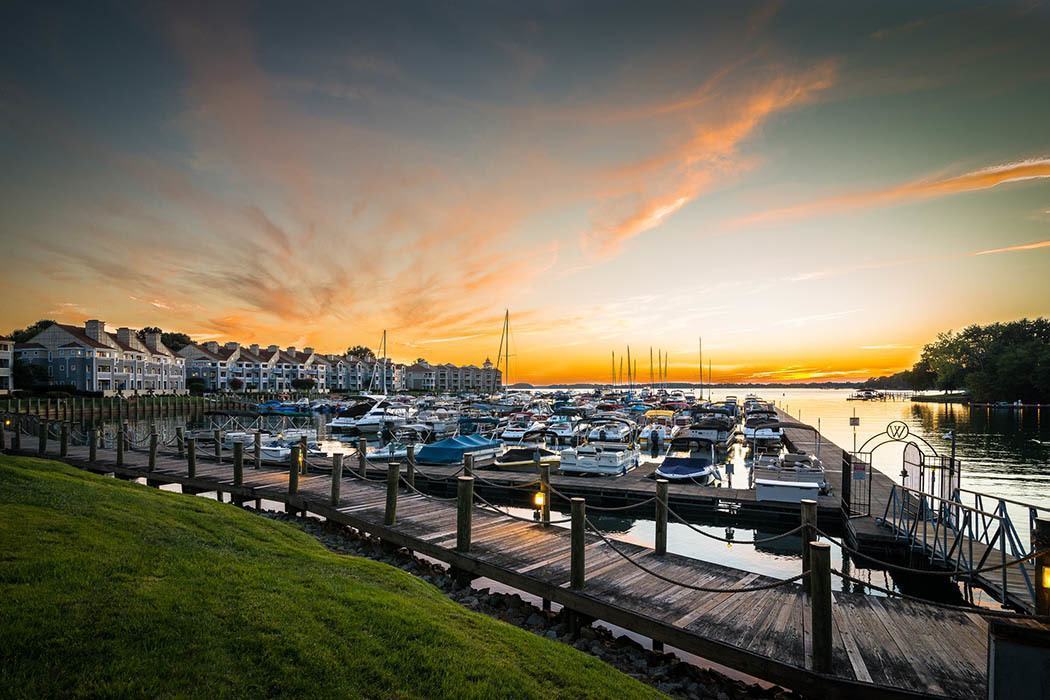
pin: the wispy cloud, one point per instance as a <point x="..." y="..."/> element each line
<point x="1014" y="248"/>
<point x="983" y="179"/>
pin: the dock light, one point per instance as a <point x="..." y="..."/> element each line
<point x="539" y="498"/>
<point x="1046" y="578"/>
<point x="7" y="421"/>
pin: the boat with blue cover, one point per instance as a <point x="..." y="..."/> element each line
<point x="451" y="450"/>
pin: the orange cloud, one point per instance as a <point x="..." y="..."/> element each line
<point x="645" y="193"/>
<point x="1014" y="248"/>
<point x="984" y="179"/>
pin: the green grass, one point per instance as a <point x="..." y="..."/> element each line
<point x="114" y="589"/>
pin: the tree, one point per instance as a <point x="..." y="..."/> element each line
<point x="196" y="385"/>
<point x="236" y="384"/>
<point x="27" y="375"/>
<point x="360" y="352"/>
<point x="303" y="384"/>
<point x="24" y="335"/>
<point x="421" y="361"/>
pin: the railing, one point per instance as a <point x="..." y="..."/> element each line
<point x="965" y="537"/>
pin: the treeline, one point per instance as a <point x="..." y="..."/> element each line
<point x="998" y="362"/>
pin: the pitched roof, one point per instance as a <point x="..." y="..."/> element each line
<point x="82" y="336"/>
<point x="29" y="346"/>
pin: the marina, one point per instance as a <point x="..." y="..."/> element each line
<point x="881" y="644"/>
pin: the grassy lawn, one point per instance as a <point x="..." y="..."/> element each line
<point x="115" y="589"/>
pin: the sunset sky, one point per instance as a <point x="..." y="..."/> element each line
<point x="815" y="188"/>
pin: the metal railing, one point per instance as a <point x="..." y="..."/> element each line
<point x="964" y="536"/>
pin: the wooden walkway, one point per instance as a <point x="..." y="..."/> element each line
<point x="869" y="530"/>
<point x="881" y="647"/>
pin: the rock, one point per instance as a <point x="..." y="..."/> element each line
<point x="588" y="633"/>
<point x="551" y="634"/>
<point x="535" y="620"/>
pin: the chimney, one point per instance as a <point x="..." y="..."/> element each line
<point x="308" y="351"/>
<point x="153" y="341"/>
<point x="291" y="350"/>
<point x="95" y="330"/>
<point x="273" y="348"/>
<point x="232" y="345"/>
<point x="124" y="335"/>
<point x="254" y="347"/>
<point x="211" y="346"/>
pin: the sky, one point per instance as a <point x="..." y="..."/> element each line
<point x="815" y="189"/>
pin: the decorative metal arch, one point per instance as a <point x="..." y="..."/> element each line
<point x="897" y="431"/>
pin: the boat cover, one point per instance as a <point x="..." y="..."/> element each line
<point x="451" y="450"/>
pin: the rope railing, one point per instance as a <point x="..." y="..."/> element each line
<point x="606" y="509"/>
<point x="430" y="477"/>
<point x="927" y="572"/>
<point x="505" y="486"/>
<point x="756" y="540"/>
<point x="404" y="480"/>
<point x="694" y="587"/>
<point x="944" y="606"/>
<point x="487" y="505"/>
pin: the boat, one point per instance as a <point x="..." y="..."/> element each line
<point x="690" y="459"/>
<point x="452" y="450"/>
<point x="565" y="430"/>
<point x="523" y="458"/>
<point x="601" y="458"/>
<point x="660" y="422"/>
<point x="611" y="429"/>
<point x="517" y="429"/>
<point x="796" y="468"/>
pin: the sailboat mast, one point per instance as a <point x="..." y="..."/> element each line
<point x="614" y="369"/>
<point x="630" y="382"/>
<point x="701" y="369"/>
<point x="710" y="381"/>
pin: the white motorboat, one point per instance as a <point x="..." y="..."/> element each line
<point x="690" y="459"/>
<point x="601" y="458"/>
<point x="611" y="430"/>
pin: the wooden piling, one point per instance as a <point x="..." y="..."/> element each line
<point x="16" y="436"/>
<point x="293" y="470"/>
<point x="337" y="478"/>
<point x="41" y="446"/>
<point x="393" y="475"/>
<point x="303" y="451"/>
<point x="63" y="440"/>
<point x="577" y="543"/>
<point x="180" y="441"/>
<point x="191" y="457"/>
<point x="468" y="464"/>
<point x="257" y="445"/>
<point x="820" y="604"/>
<point x="152" y="452"/>
<point x="238" y="463"/>
<point x="1041" y="542"/>
<point x="809" y="534"/>
<point x="217" y="437"/>
<point x="464" y="510"/>
<point x="362" y="457"/>
<point x="93" y="443"/>
<point x="545" y="489"/>
<point x="661" y="516"/>
<point x="120" y="447"/>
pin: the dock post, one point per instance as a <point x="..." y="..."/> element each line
<point x="661" y="516"/>
<point x="41" y="446"/>
<point x="3" y="432"/>
<point x="63" y="440"/>
<point x="410" y="461"/>
<point x="93" y="443"/>
<point x="294" y="457"/>
<point x="1040" y="542"/>
<point x="464" y="509"/>
<point x="152" y="451"/>
<point x="180" y="441"/>
<point x="362" y="457"/>
<point x="191" y="457"/>
<point x="393" y="475"/>
<point x="577" y="543"/>
<point x="303" y="451"/>
<point x="545" y="489"/>
<point x="337" y="477"/>
<point x="238" y="463"/>
<point x="257" y="444"/>
<point x="820" y="604"/>
<point x="809" y="534"/>
<point x="120" y="447"/>
<point x="126" y="436"/>
<point x="16" y="436"/>
<point x="468" y="464"/>
<point x="217" y="437"/>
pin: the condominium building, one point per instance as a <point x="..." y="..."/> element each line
<point x="423" y="376"/>
<point x="93" y="359"/>
<point x="269" y="369"/>
<point x="7" y="363"/>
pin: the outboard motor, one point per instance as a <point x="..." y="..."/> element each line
<point x="654" y="443"/>
<point x="601" y="435"/>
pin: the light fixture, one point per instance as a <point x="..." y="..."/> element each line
<point x="1046" y="577"/>
<point x="539" y="498"/>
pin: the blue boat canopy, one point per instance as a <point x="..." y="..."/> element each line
<point x="451" y="450"/>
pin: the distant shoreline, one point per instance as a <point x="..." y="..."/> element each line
<point x="695" y="385"/>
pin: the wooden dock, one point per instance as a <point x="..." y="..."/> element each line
<point x="881" y="647"/>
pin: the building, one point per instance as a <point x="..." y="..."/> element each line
<point x="93" y="359"/>
<point x="423" y="376"/>
<point x="7" y="363"/>
<point x="269" y="369"/>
